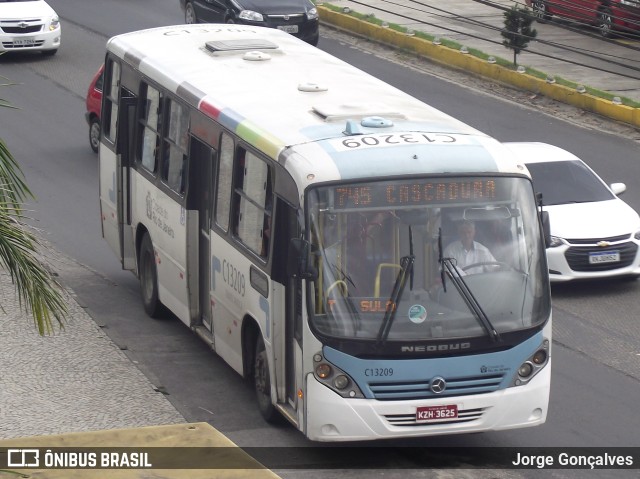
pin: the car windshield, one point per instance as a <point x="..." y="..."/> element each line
<point x="379" y="251"/>
<point x="564" y="182"/>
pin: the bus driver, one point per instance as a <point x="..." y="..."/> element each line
<point x="466" y="251"/>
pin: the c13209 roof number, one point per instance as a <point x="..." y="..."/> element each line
<point x="395" y="139"/>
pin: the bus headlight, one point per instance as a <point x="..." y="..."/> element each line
<point x="525" y="370"/>
<point x="532" y="365"/>
<point x="334" y="378"/>
<point x="540" y="357"/>
<point x="323" y="371"/>
<point x="341" y="381"/>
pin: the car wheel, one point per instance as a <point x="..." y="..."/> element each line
<point x="605" y="22"/>
<point x="262" y="381"/>
<point x="190" y="14"/>
<point x="540" y="11"/>
<point x="314" y="40"/>
<point x="231" y="20"/>
<point x="148" y="275"/>
<point x="94" y="133"/>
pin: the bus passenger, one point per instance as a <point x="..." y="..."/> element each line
<point x="499" y="240"/>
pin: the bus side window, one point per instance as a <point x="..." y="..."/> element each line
<point x="253" y="202"/>
<point x="225" y="177"/>
<point x="149" y="133"/>
<point x="175" y="146"/>
<point x="112" y="85"/>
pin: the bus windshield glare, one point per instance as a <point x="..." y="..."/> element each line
<point x="409" y="259"/>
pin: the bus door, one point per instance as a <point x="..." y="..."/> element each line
<point x="202" y="170"/>
<point x="116" y="155"/>
<point x="287" y="297"/>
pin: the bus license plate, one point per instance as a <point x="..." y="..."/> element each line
<point x="436" y="413"/>
<point x="604" y="257"/>
<point x="289" y="28"/>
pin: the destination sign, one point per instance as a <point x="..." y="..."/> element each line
<point x="416" y="193"/>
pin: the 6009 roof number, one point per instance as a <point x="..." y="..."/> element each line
<point x="395" y="139"/>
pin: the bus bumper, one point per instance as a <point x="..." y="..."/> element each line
<point x="331" y="417"/>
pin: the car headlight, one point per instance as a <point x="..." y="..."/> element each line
<point x="555" y="242"/>
<point x="637" y="235"/>
<point x="54" y="24"/>
<point x="251" y="16"/>
<point x="312" y="14"/>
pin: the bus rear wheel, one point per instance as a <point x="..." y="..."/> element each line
<point x="148" y="275"/>
<point x="262" y="381"/>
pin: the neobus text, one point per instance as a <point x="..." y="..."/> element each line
<point x="434" y="348"/>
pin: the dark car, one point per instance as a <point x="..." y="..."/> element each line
<point x="297" y="17"/>
<point x="606" y="15"/>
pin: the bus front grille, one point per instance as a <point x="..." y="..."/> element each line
<point x="461" y="386"/>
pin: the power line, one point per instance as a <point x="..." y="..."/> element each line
<point x="449" y="15"/>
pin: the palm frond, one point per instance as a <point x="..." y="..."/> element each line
<point x="14" y="189"/>
<point x="38" y="291"/>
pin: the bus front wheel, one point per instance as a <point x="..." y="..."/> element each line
<point x="262" y="382"/>
<point x="148" y="275"/>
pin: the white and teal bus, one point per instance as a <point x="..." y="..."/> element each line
<point x="295" y="212"/>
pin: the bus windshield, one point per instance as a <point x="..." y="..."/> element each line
<point x="427" y="259"/>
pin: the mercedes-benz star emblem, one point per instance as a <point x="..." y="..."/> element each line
<point x="438" y="385"/>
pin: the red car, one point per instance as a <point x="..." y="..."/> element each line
<point x="94" y="105"/>
<point x="606" y="15"/>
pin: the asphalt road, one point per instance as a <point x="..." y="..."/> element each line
<point x="595" y="382"/>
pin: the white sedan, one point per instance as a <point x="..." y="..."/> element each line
<point x="594" y="234"/>
<point x="29" y="25"/>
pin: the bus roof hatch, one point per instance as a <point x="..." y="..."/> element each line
<point x="240" y="44"/>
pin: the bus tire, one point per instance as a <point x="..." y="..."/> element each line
<point x="148" y="275"/>
<point x="262" y="381"/>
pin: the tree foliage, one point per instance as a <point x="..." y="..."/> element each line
<point x="38" y="292"/>
<point x="517" y="31"/>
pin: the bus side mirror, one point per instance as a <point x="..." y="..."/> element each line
<point x="299" y="263"/>
<point x="546" y="228"/>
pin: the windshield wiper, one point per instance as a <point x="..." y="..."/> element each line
<point x="443" y="276"/>
<point x="458" y="281"/>
<point x="406" y="267"/>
